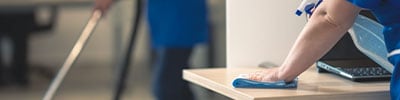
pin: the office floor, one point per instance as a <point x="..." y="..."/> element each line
<point x="92" y="77"/>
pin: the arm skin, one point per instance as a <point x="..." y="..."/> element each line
<point x="326" y="26"/>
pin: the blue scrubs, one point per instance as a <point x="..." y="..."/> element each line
<point x="176" y="26"/>
<point x="177" y="23"/>
<point x="388" y="15"/>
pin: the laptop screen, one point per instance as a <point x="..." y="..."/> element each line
<point x="344" y="50"/>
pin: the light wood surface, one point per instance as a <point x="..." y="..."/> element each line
<point x="312" y="86"/>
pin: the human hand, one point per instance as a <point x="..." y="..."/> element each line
<point x="267" y="75"/>
<point x="103" y="5"/>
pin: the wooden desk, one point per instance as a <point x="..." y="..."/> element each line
<point x="312" y="86"/>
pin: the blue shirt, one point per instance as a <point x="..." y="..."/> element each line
<point x="177" y="23"/>
<point x="388" y="14"/>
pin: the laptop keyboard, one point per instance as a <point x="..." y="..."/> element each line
<point x="365" y="71"/>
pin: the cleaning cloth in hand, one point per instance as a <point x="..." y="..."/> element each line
<point x="242" y="81"/>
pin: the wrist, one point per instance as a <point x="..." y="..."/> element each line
<point x="286" y="74"/>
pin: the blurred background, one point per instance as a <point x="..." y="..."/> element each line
<point x="44" y="32"/>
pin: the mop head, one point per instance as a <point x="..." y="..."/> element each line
<point x="242" y="81"/>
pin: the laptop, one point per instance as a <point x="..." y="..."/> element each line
<point x="345" y="60"/>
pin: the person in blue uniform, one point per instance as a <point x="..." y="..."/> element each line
<point x="329" y="22"/>
<point x="385" y="11"/>
<point x="176" y="26"/>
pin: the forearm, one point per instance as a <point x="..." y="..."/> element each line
<point x="328" y="24"/>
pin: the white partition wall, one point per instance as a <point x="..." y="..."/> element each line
<point x="261" y="30"/>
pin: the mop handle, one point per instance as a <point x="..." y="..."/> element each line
<point x="76" y="50"/>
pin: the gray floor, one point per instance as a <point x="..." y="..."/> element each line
<point x="92" y="77"/>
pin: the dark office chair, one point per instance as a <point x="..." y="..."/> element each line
<point x="17" y="25"/>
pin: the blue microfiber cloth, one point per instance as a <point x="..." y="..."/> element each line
<point x="243" y="82"/>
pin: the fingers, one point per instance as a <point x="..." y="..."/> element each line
<point x="268" y="75"/>
<point x="271" y="77"/>
<point x="253" y="76"/>
<point x="103" y="5"/>
<point x="103" y="9"/>
<point x="258" y="76"/>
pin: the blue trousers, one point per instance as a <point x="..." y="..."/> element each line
<point x="168" y="83"/>
<point x="395" y="81"/>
